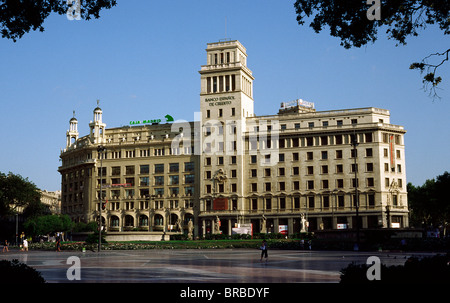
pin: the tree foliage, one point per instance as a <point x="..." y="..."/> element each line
<point x="18" y="17"/>
<point x="401" y="19"/>
<point x="429" y="204"/>
<point x="16" y="192"/>
<point x="48" y="224"/>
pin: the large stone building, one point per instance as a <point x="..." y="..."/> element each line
<point x="299" y="169"/>
<point x="52" y="199"/>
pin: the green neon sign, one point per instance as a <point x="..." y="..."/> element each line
<point x="168" y="118"/>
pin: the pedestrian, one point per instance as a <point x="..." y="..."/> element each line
<point x="58" y="244"/>
<point x="5" y="246"/>
<point x="25" y="244"/>
<point x="309" y="244"/>
<point x="263" y="250"/>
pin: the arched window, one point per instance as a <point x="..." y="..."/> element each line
<point x="129" y="220"/>
<point x="159" y="220"/>
<point x="143" y="220"/>
<point x="114" y="221"/>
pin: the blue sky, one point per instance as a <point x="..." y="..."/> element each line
<point x="141" y="59"/>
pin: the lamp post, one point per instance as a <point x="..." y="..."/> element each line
<point x="355" y="144"/>
<point x="335" y="192"/>
<point x="100" y="150"/>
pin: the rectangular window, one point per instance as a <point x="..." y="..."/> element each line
<point x="173" y="180"/>
<point x="341" y="201"/>
<point x="129" y="170"/>
<point x="371" y="198"/>
<point x="189" y="179"/>
<point x="115" y="171"/>
<point x="311" y="202"/>
<point x="159" y="180"/>
<point x="268" y="203"/>
<point x="159" y="192"/>
<point x="159" y="168"/>
<point x="189" y="166"/>
<point x="326" y="201"/>
<point x="144" y="169"/>
<point x="296" y="202"/>
<point x="282" y="203"/>
<point x="254" y="204"/>
<point x="174" y="167"/>
<point x="144" y="181"/>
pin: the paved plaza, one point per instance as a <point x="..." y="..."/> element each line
<point x="197" y="266"/>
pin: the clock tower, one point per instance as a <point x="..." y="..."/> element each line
<point x="226" y="100"/>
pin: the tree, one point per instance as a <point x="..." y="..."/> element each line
<point x="49" y="224"/>
<point x="19" y="17"/>
<point x="15" y="193"/>
<point x="429" y="204"/>
<point x="354" y="23"/>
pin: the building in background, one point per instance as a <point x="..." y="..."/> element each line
<point x="297" y="170"/>
<point x="52" y="199"/>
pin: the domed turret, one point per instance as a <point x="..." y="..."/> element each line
<point x="72" y="133"/>
<point x="97" y="133"/>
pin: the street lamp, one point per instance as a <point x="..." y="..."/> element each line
<point x="355" y="144"/>
<point x="100" y="150"/>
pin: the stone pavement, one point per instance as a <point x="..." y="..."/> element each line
<point x="197" y="266"/>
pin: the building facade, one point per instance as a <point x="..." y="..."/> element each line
<point x="297" y="170"/>
<point x="52" y="199"/>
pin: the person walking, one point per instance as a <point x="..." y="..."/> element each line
<point x="58" y="244"/>
<point x="25" y="244"/>
<point x="5" y="246"/>
<point x="263" y="250"/>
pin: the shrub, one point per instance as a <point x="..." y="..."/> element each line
<point x="434" y="269"/>
<point x="93" y="238"/>
<point x="15" y="272"/>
